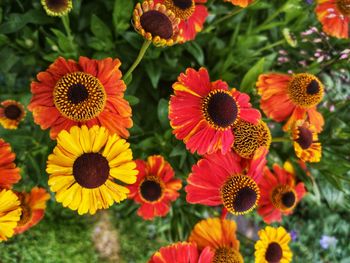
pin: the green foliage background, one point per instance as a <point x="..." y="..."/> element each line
<point x="235" y="48"/>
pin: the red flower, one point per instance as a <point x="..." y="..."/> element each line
<point x="89" y="92"/>
<point x="9" y="174"/>
<point x="155" y="187"/>
<point x="279" y="193"/>
<point x="33" y="206"/>
<point x="182" y="252"/>
<point x="334" y="16"/>
<point x="203" y="113"/>
<point x="292" y="97"/>
<point x="192" y="14"/>
<point x="227" y="180"/>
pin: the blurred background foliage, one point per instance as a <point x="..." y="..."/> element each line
<point x="236" y="45"/>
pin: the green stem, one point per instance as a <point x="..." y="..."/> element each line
<point x="280" y="139"/>
<point x="142" y="52"/>
<point x="280" y="42"/>
<point x="65" y="21"/>
<point x="245" y="237"/>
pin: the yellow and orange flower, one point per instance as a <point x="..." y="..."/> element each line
<point x="241" y="3"/>
<point x="306" y="144"/>
<point x="156" y="23"/>
<point x="182" y="252"/>
<point x="334" y="16"/>
<point x="155" y="187"/>
<point x="219" y="235"/>
<point x="203" y="113"/>
<point x="227" y="180"/>
<point x="291" y="96"/>
<point x="279" y="193"/>
<point x="11" y="114"/>
<point x="9" y="173"/>
<point x="192" y="14"/>
<point x="57" y="7"/>
<point x="89" y="92"/>
<point x="273" y="246"/>
<point x="89" y="168"/>
<point x="10" y="213"/>
<point x="33" y="207"/>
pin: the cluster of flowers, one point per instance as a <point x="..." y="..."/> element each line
<point x="82" y="103"/>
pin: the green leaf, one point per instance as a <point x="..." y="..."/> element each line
<point x="132" y="100"/>
<point x="163" y="113"/>
<point x="251" y="76"/>
<point x="154" y="73"/>
<point x="100" y="29"/>
<point x="196" y="51"/>
<point x="122" y="13"/>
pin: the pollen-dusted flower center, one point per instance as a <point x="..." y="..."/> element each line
<point x="91" y="170"/>
<point x="249" y="137"/>
<point x="12" y="112"/>
<point x="227" y="255"/>
<point x="283" y="197"/>
<point x="220" y="109"/>
<point x="26" y="214"/>
<point x="151" y="189"/>
<point x="344" y="7"/>
<point x="182" y="9"/>
<point x="305" y="90"/>
<point x="304" y="137"/>
<point x="79" y="96"/>
<point x="240" y="194"/>
<point x="273" y="253"/>
<point x="57" y="5"/>
<point x="157" y="23"/>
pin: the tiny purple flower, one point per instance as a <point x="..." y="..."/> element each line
<point x="293" y="235"/>
<point x="328" y="241"/>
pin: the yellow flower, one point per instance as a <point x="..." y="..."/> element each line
<point x="10" y="213"/>
<point x="273" y="246"/>
<point x="11" y="114"/>
<point x="57" y="7"/>
<point x="306" y="144"/>
<point x="220" y="235"/>
<point x="84" y="168"/>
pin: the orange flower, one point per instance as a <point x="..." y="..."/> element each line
<point x="334" y="16"/>
<point x="203" y="113"/>
<point x="220" y="235"/>
<point x="182" y="252"/>
<point x="241" y="3"/>
<point x="291" y="96"/>
<point x="192" y="14"/>
<point x="11" y="114"/>
<point x="9" y="174"/>
<point x="89" y="92"/>
<point x="156" y="23"/>
<point x="306" y="144"/>
<point x="155" y="187"/>
<point x="279" y="193"/>
<point x="33" y="206"/>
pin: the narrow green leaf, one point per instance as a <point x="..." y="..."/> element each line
<point x="122" y="13"/>
<point x="99" y="28"/>
<point x="163" y="113"/>
<point x="251" y="76"/>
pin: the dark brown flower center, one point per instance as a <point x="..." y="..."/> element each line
<point x="91" y="170"/>
<point x="12" y="112"/>
<point x="57" y="5"/>
<point x="220" y="109"/>
<point x="77" y="93"/>
<point x="151" y="189"/>
<point x="183" y="4"/>
<point x="79" y="96"/>
<point x="274" y="253"/>
<point x="288" y="199"/>
<point x="344" y="7"/>
<point x="305" y="138"/>
<point x="157" y="23"/>
<point x="227" y="255"/>
<point x="313" y="88"/>
<point x="240" y="194"/>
